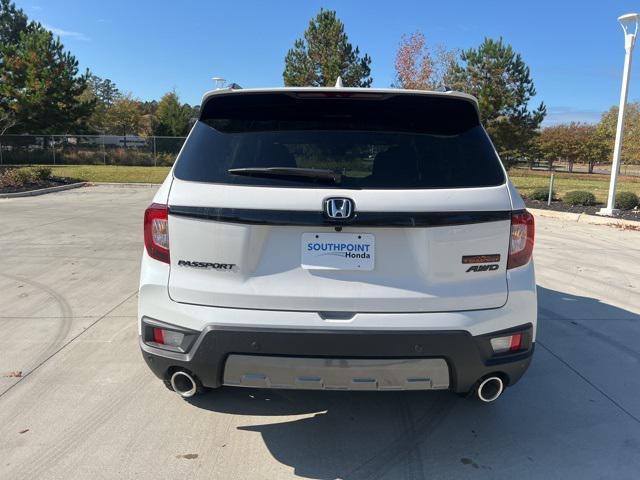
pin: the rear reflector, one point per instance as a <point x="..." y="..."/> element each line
<point x="158" y="336"/>
<point x="167" y="337"/>
<point x="156" y="232"/>
<point x="522" y="237"/>
<point x="511" y="343"/>
<point x="494" y="258"/>
<point x="516" y="342"/>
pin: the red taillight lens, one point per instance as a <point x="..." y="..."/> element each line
<point x="511" y="343"/>
<point x="521" y="242"/>
<point x="516" y="342"/>
<point x="170" y="338"/>
<point x="158" y="336"/>
<point x="156" y="232"/>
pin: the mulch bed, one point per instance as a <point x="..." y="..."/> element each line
<point x="559" y="206"/>
<point x="52" y="182"/>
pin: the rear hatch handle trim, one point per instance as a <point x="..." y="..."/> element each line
<point x="317" y="218"/>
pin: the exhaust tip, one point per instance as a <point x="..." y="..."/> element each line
<point x="490" y="389"/>
<point x="183" y="384"/>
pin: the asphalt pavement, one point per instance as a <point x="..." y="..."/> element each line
<point x="77" y="400"/>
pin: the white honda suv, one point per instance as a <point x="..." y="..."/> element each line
<point x="338" y="238"/>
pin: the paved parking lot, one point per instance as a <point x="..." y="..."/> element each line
<point x="86" y="406"/>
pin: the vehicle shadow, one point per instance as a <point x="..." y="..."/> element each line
<point x="553" y="421"/>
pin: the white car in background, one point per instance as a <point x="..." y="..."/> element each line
<point x="338" y="238"/>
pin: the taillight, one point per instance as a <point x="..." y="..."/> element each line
<point x="521" y="242"/>
<point x="167" y="337"/>
<point x="511" y="343"/>
<point x="158" y="336"/>
<point x="156" y="232"/>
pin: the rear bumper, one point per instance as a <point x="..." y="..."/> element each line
<point x="468" y="358"/>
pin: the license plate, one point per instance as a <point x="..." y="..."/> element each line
<point x="338" y="251"/>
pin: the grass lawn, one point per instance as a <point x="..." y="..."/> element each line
<point x="527" y="181"/>
<point x="112" y="173"/>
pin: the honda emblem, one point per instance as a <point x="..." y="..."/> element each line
<point x="338" y="208"/>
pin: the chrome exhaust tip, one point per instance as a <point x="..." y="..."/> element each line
<point x="490" y="389"/>
<point x="183" y="384"/>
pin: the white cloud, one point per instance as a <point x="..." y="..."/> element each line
<point x="66" y="33"/>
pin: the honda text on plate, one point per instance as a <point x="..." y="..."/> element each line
<point x="339" y="239"/>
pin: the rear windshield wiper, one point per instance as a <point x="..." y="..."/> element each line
<point x="311" y="174"/>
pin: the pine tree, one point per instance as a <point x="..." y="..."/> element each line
<point x="12" y="22"/>
<point x="498" y="77"/>
<point x="324" y="54"/>
<point x="40" y="86"/>
<point x="103" y="93"/>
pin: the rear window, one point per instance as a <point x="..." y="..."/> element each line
<point x="372" y="141"/>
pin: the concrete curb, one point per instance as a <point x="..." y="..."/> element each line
<point x="584" y="218"/>
<point x="42" y="191"/>
<point x="122" y="184"/>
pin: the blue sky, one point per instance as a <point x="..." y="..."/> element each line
<point x="574" y="48"/>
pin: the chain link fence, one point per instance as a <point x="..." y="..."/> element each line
<point x="626" y="169"/>
<point x="88" y="150"/>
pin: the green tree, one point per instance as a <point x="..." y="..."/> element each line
<point x="12" y="22"/>
<point x="172" y="118"/>
<point x="324" y="54"/>
<point x="40" y="85"/>
<point x="125" y="117"/>
<point x="103" y="93"/>
<point x="631" y="141"/>
<point x="596" y="149"/>
<point x="498" y="77"/>
<point x="550" y="144"/>
<point x="572" y="142"/>
<point x="150" y="107"/>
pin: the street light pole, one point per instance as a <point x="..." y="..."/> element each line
<point x="629" y="23"/>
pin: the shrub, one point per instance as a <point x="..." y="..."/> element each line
<point x="23" y="176"/>
<point x="542" y="194"/>
<point x="41" y="173"/>
<point x="8" y="178"/>
<point x="580" y="197"/>
<point x="16" y="178"/>
<point x="626" y="200"/>
<point x="166" y="159"/>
